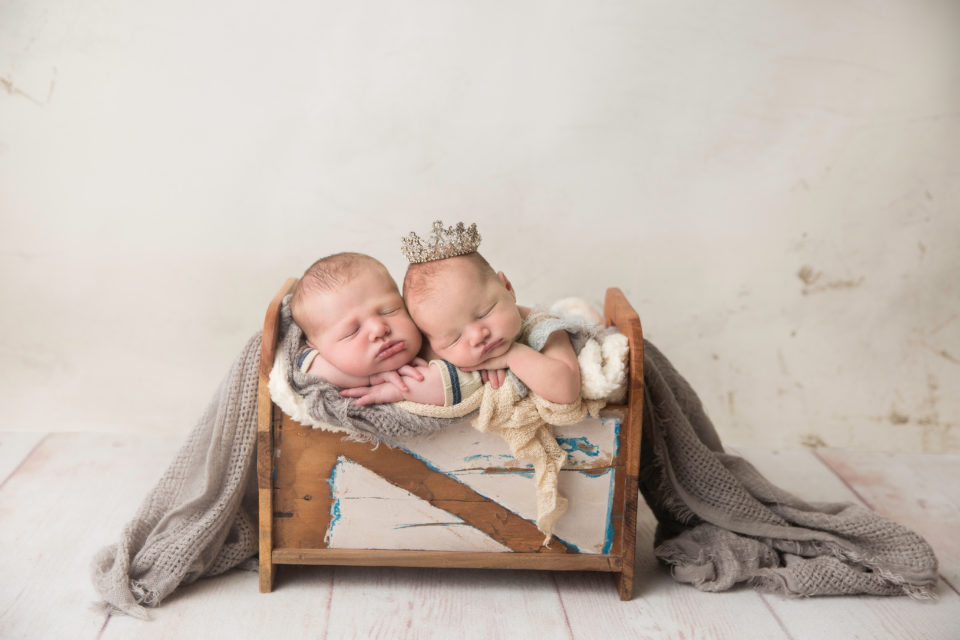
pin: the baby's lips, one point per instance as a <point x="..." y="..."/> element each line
<point x="490" y="347"/>
<point x="391" y="349"/>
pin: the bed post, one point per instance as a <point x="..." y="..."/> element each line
<point x="619" y="313"/>
<point x="268" y="349"/>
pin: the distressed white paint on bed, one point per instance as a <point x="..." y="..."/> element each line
<point x="483" y="462"/>
<point x="585" y="525"/>
<point x="370" y="513"/>
<point x="590" y="444"/>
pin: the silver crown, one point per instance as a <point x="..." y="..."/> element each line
<point x="444" y="243"/>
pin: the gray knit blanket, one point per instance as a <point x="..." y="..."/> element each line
<point x="720" y="522"/>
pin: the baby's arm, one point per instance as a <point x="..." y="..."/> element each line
<point x="428" y="389"/>
<point x="553" y="373"/>
<point x="322" y="369"/>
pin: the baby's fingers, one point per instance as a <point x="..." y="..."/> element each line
<point x="407" y="370"/>
<point x="355" y="392"/>
<point x="394" y="378"/>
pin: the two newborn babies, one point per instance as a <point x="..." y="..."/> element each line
<point x="363" y="336"/>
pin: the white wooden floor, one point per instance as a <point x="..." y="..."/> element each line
<point x="63" y="495"/>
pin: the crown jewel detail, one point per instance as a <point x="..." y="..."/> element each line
<point x="444" y="243"/>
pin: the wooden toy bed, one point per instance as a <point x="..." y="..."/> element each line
<point x="457" y="499"/>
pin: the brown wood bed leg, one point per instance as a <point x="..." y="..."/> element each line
<point x="624" y="578"/>
<point x="265" y="487"/>
<point x="265" y="422"/>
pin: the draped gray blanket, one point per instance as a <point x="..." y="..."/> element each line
<point x="720" y="521"/>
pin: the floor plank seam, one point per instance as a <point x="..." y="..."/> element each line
<point x="950" y="584"/>
<point x="816" y="454"/>
<point x="25" y="458"/>
<point x="563" y="607"/>
<point x="783" y="627"/>
<point x="104" y="627"/>
<point x="3" y="614"/>
<point x="326" y="626"/>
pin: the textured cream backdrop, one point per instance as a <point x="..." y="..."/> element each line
<point x="773" y="184"/>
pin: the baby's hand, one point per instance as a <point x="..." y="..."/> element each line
<point x="412" y="370"/>
<point x="500" y="362"/>
<point x="376" y="394"/>
<point x="394" y="377"/>
<point x="495" y="377"/>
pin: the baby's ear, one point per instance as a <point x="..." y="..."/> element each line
<point x="506" y="283"/>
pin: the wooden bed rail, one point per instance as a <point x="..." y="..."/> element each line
<point x="619" y="313"/>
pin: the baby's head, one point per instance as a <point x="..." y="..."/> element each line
<point x="351" y="312"/>
<point x="465" y="309"/>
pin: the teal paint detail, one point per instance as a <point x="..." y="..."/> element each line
<point x="429" y="464"/>
<point x="335" y="505"/>
<point x="488" y="457"/>
<point x="579" y="445"/>
<point x="608" y="537"/>
<point x="616" y="435"/>
<point x="608" y="540"/>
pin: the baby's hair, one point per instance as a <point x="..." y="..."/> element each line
<point x="420" y="279"/>
<point x="328" y="274"/>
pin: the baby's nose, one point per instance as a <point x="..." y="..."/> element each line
<point x="380" y="329"/>
<point x="480" y="335"/>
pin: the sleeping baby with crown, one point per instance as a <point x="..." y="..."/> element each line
<point x="517" y="370"/>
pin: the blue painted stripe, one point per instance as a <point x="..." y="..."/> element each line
<point x="454" y="381"/>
